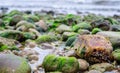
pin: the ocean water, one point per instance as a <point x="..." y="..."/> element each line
<point x="104" y="7"/>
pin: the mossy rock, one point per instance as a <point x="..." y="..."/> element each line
<point x="31" y="18"/>
<point x="83" y="31"/>
<point x="13" y="64"/>
<point x="102" y="67"/>
<point x="59" y="63"/>
<point x="46" y="38"/>
<point x="15" y="19"/>
<point x="66" y="35"/>
<point x="17" y="35"/>
<point x="25" y="23"/>
<point x="8" y="44"/>
<point x="15" y="12"/>
<point x="116" y="55"/>
<point x="70" y="41"/>
<point x="63" y="28"/>
<point x="82" y="25"/>
<point x="95" y="30"/>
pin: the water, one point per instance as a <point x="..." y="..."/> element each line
<point x="105" y="7"/>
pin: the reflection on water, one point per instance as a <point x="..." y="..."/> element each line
<point x="106" y="7"/>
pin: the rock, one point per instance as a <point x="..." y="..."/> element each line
<point x="82" y="25"/>
<point x="70" y="53"/>
<point x="46" y="38"/>
<point x="33" y="57"/>
<point x="24" y="25"/>
<point x="17" y="35"/>
<point x="70" y="41"/>
<point x="15" y="19"/>
<point x="115" y="27"/>
<point x="95" y="30"/>
<point x="116" y="55"/>
<point x="59" y="63"/>
<point x="93" y="48"/>
<point x="102" y="24"/>
<point x="41" y="24"/>
<point x="31" y="18"/>
<point x="30" y="43"/>
<point x="114" y="37"/>
<point x="28" y="52"/>
<point x="66" y="35"/>
<point x="93" y="71"/>
<point x="102" y="67"/>
<point x="63" y="28"/>
<point x="83" y="64"/>
<point x="83" y="31"/>
<point x="13" y="64"/>
<point x="8" y="44"/>
<point x="34" y="31"/>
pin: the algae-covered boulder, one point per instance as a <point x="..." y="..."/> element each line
<point x="59" y="63"/>
<point x="102" y="67"/>
<point x="17" y="35"/>
<point x="114" y="37"/>
<point x="66" y="35"/>
<point x="63" y="28"/>
<point x="93" y="48"/>
<point x="13" y="64"/>
<point x="95" y="30"/>
<point x="24" y="25"/>
<point x="70" y="41"/>
<point x="15" y="12"/>
<point x="82" y="25"/>
<point x="116" y="55"/>
<point x="8" y="44"/>
<point x="15" y="19"/>
<point x="31" y="18"/>
<point x="83" y="31"/>
<point x="46" y="38"/>
<point x="41" y="24"/>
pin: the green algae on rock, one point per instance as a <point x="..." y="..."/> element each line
<point x="93" y="48"/>
<point x="15" y="19"/>
<point x="70" y="41"/>
<point x="95" y="30"/>
<point x="82" y="25"/>
<point x="13" y="64"/>
<point x="46" y="38"/>
<point x="17" y="35"/>
<point x="8" y="44"/>
<point x="116" y="55"/>
<point x="63" y="28"/>
<point x="66" y="35"/>
<point x="60" y="63"/>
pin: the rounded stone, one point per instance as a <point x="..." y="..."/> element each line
<point x="13" y="64"/>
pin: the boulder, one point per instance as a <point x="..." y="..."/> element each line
<point x="60" y="63"/>
<point x="102" y="67"/>
<point x="114" y="37"/>
<point x="13" y="64"/>
<point x="93" y="48"/>
<point x="63" y="28"/>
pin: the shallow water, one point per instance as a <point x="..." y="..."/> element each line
<point x="105" y="7"/>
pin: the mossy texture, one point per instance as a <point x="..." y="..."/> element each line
<point x="60" y="63"/>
